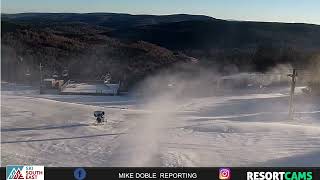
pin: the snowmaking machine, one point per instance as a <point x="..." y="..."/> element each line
<point x="99" y="115"/>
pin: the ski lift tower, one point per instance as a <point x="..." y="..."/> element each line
<point x="293" y="77"/>
<point x="41" y="78"/>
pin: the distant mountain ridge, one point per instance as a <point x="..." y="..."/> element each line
<point x="223" y="34"/>
<point x="180" y="31"/>
<point x="113" y="20"/>
<point x="132" y="47"/>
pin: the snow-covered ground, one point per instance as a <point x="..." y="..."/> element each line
<point x="248" y="129"/>
<point x="91" y="88"/>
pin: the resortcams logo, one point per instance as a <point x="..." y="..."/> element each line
<point x="279" y="175"/>
<point x="25" y="172"/>
<point x="224" y="174"/>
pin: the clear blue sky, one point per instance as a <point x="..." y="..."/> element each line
<point x="306" y="11"/>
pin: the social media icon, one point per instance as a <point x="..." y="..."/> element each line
<point x="79" y="174"/>
<point x="224" y="174"/>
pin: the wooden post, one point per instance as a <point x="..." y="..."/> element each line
<point x="293" y="85"/>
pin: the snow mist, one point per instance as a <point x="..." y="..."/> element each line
<point x="163" y="95"/>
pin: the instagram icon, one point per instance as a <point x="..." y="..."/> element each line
<point x="224" y="174"/>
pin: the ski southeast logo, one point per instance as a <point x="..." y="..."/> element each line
<point x="25" y="172"/>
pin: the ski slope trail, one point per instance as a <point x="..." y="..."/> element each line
<point x="235" y="130"/>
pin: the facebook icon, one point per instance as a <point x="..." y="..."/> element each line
<point x="80" y="174"/>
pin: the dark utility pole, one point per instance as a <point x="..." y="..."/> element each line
<point x="40" y="66"/>
<point x="40" y="73"/>
<point x="293" y="85"/>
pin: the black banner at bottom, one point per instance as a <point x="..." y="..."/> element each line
<point x="97" y="173"/>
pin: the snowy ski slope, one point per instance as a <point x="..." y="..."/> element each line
<point x="236" y="130"/>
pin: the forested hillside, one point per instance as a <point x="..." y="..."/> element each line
<point x="131" y="47"/>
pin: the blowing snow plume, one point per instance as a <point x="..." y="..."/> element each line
<point x="182" y="109"/>
<point x="166" y="96"/>
<point x="314" y="69"/>
<point x="163" y="95"/>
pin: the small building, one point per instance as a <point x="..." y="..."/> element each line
<point x="52" y="83"/>
<point x="87" y="87"/>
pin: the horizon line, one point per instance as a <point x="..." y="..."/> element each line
<point x="132" y="14"/>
